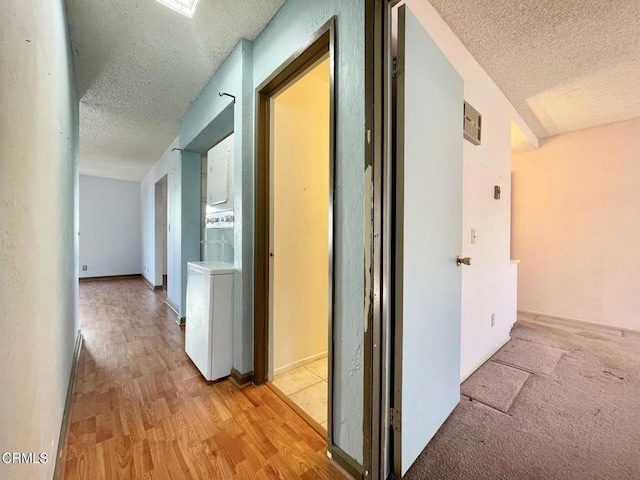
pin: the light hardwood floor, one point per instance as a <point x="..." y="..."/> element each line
<point x="141" y="409"/>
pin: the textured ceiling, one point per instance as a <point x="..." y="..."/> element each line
<point x="563" y="64"/>
<point x="139" y="65"/>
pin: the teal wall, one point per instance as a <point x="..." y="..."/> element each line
<point x="209" y="114"/>
<point x="246" y="67"/>
<point x="190" y="219"/>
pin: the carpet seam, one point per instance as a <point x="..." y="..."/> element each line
<point x="517" y="395"/>
<point x="538" y="343"/>
<point x="487" y="405"/>
<point x="517" y="367"/>
<point x="606" y="329"/>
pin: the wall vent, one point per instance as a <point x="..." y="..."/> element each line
<point x="472" y="124"/>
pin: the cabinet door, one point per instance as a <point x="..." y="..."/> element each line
<point x="218" y="177"/>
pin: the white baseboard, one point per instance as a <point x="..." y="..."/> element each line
<point x="179" y="320"/>
<point x="577" y="320"/>
<point x="298" y="363"/>
<point x="484" y="359"/>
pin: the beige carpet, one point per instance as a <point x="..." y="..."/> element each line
<point x="560" y="401"/>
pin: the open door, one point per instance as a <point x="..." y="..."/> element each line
<point x="428" y="240"/>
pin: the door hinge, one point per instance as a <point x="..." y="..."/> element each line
<point x="394" y="419"/>
<point x="394" y="67"/>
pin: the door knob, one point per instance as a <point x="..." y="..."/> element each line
<point x="463" y="260"/>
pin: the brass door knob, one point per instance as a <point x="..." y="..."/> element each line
<point x="463" y="260"/>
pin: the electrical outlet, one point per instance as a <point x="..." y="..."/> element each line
<point x="493" y="320"/>
<point x="84" y="268"/>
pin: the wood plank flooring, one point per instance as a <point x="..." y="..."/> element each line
<point x="142" y="410"/>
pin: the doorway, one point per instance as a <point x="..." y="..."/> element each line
<point x="299" y="242"/>
<point x="161" y="232"/>
<point x="294" y="233"/>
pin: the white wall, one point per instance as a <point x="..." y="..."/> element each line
<point x="110" y="228"/>
<point x="165" y="220"/>
<point x="576" y="225"/>
<point x="38" y="233"/>
<point x="168" y="164"/>
<point x="300" y="221"/>
<point x="488" y="286"/>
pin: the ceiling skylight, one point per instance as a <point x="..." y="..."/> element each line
<point x="185" y="7"/>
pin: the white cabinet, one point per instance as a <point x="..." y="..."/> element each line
<point x="209" y="323"/>
<point x="218" y="177"/>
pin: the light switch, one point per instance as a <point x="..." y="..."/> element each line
<point x="473" y="235"/>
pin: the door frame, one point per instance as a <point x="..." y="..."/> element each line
<point x="317" y="47"/>
<point x="380" y="338"/>
<point x="376" y="348"/>
<point x="381" y="341"/>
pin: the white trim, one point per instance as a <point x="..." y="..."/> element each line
<point x="586" y="322"/>
<point x="299" y="363"/>
<point x="484" y="359"/>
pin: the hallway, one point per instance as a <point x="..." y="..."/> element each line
<point x="142" y="410"/>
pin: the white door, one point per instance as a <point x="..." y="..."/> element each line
<point x="428" y="240"/>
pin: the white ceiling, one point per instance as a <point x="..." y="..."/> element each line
<point x="563" y="64"/>
<point x="139" y="66"/>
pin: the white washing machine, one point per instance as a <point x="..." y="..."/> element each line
<point x="209" y="323"/>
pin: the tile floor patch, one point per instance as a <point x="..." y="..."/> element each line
<point x="320" y="367"/>
<point x="313" y="400"/>
<point x="295" y="380"/>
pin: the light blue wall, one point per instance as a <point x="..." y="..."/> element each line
<point x="294" y="24"/>
<point x="246" y="67"/>
<point x="110" y="227"/>
<point x="205" y="115"/>
<point x="190" y="216"/>
<point x="39" y="229"/>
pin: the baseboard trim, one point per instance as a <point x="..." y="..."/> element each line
<point x="484" y="359"/>
<point x="577" y="320"/>
<point x="299" y="363"/>
<point x="151" y="285"/>
<point x="58" y="472"/>
<point x="320" y="430"/>
<point x="241" y="379"/>
<point x="346" y="463"/>
<point x="179" y="320"/>
<point x="111" y="277"/>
